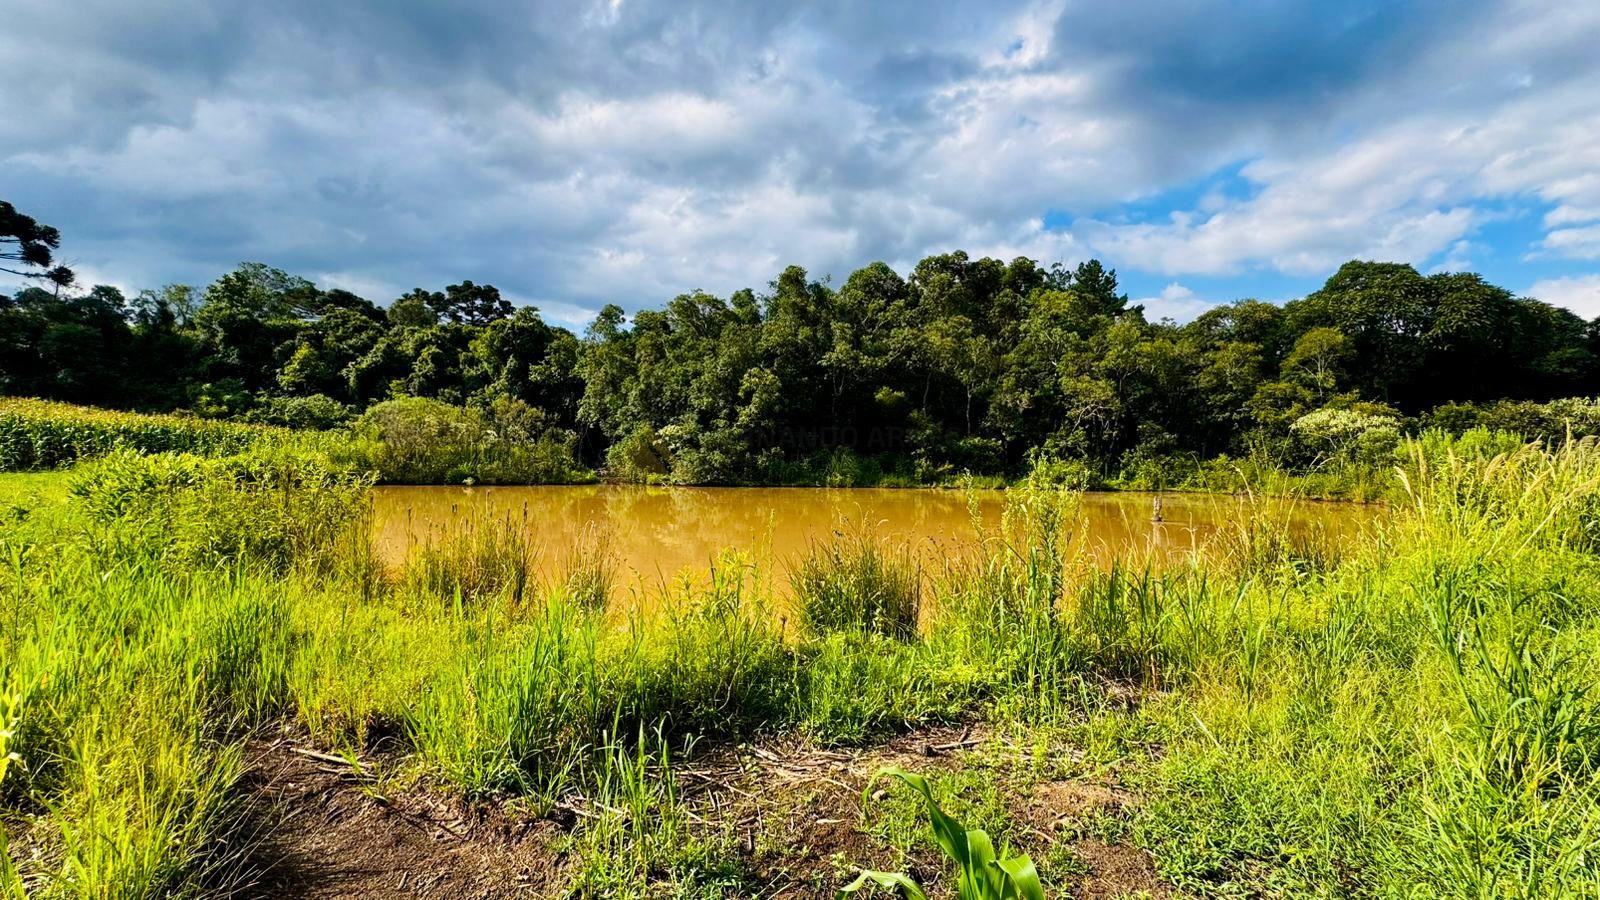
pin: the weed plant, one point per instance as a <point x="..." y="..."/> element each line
<point x="857" y="582"/>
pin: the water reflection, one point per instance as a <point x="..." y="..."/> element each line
<point x="660" y="535"/>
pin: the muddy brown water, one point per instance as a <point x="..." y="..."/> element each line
<point x="661" y="536"/>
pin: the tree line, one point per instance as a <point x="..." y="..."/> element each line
<point x="960" y="365"/>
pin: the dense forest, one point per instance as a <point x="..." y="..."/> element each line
<point x="960" y="365"/>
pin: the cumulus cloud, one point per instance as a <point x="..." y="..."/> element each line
<point x="1175" y="302"/>
<point x="1417" y="158"/>
<point x="597" y="151"/>
<point x="1580" y="293"/>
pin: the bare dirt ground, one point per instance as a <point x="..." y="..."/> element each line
<point x="328" y="830"/>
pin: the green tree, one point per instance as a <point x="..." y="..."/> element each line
<point x="248" y="318"/>
<point x="27" y="248"/>
<point x="470" y="304"/>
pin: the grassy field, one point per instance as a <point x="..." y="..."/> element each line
<point x="186" y="642"/>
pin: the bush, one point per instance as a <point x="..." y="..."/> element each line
<point x="639" y="458"/>
<point x="414" y="440"/>
<point x="1550" y="422"/>
<point x="1144" y="469"/>
<point x="1072" y="474"/>
<point x="317" y="412"/>
<point x="1348" y="436"/>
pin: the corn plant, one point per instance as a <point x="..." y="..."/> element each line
<point x="981" y="874"/>
<point x="39" y="434"/>
<point x="10" y="882"/>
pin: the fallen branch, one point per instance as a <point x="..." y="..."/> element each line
<point x="330" y="758"/>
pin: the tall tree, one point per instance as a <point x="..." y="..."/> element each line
<point x="27" y="248"/>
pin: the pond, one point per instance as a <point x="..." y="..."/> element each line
<point x="658" y="536"/>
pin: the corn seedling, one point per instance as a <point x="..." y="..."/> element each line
<point x="981" y="874"/>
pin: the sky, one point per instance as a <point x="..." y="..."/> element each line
<point x="578" y="154"/>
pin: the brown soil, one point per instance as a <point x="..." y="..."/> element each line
<point x="793" y="811"/>
<point x="1116" y="870"/>
<point x="330" y="833"/>
<point x="1113" y="869"/>
<point x="1053" y="805"/>
<point x="798" y="808"/>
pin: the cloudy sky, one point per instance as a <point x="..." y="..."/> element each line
<point x="624" y="151"/>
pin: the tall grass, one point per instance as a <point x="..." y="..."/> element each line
<point x="10" y="881"/>
<point x="1414" y="718"/>
<point x="1413" y="715"/>
<point x="588" y="570"/>
<point x="857" y="582"/>
<point x="638" y="830"/>
<point x="477" y="558"/>
<point x="268" y="508"/>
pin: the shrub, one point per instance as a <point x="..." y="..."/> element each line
<point x="638" y="458"/>
<point x="317" y="412"/>
<point x="414" y="440"/>
<point x="1551" y="422"/>
<point x="1072" y="474"/>
<point x="1349" y="436"/>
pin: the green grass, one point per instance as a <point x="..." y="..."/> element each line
<point x="1409" y="716"/>
<point x="34" y="488"/>
<point x="857" y="583"/>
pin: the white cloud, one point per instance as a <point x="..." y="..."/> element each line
<point x="90" y="276"/>
<point x="1580" y="293"/>
<point x="374" y="289"/>
<point x="568" y="315"/>
<point x="1574" y="243"/>
<point x="1175" y="302"/>
<point x="663" y="147"/>
<point x="1407" y="192"/>
<point x="1570" y="215"/>
<point x="1405" y="168"/>
<point x="675" y="122"/>
<point x="1459" y="258"/>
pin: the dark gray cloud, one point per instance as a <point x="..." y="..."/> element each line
<point x="1240" y="57"/>
<point x="585" y="152"/>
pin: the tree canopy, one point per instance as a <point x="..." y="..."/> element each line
<point x="961" y="364"/>
<point x="27" y="248"/>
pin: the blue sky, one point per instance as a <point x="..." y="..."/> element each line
<point x="622" y="151"/>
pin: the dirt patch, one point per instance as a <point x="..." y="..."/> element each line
<point x="328" y="832"/>
<point x="1116" y="870"/>
<point x="1055" y="809"/>
<point x="796" y="808"/>
<point x="1051" y="806"/>
<point x="791" y="813"/>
